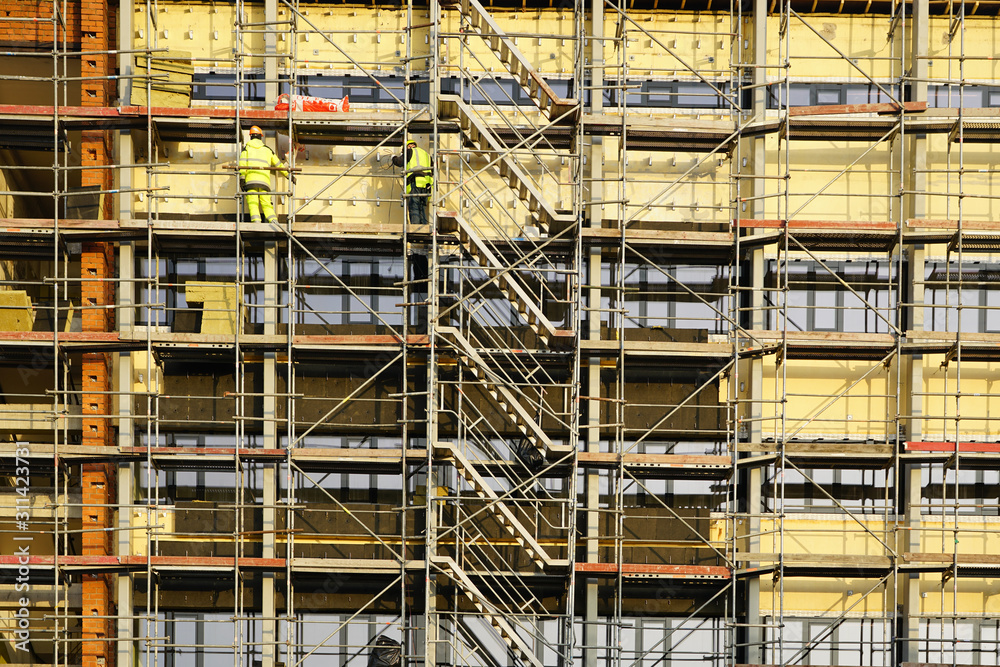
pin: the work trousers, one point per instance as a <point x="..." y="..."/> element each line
<point x="259" y="203"/>
<point x="416" y="205"/>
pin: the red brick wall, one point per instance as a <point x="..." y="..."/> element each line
<point x="36" y="35"/>
<point x="90" y="26"/>
<point x="97" y="265"/>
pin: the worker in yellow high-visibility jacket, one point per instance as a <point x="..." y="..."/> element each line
<point x="256" y="162"/>
<point x="419" y="177"/>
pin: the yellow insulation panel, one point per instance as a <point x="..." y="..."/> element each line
<point x="345" y="184"/>
<point x="979" y="177"/>
<point x="813" y="405"/>
<point x="817" y="190"/>
<point x="206" y="31"/>
<point x="979" y="44"/>
<point x="813" y="44"/>
<point x="674" y="45"/>
<point x="823" y="535"/>
<point x="823" y="597"/>
<point x="979" y="405"/>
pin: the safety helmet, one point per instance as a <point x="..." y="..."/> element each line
<point x="411" y="142"/>
<point x="256" y="132"/>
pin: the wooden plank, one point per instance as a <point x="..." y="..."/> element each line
<point x="931" y="223"/>
<point x="954" y="337"/>
<point x="878" y="107"/>
<point x="820" y="448"/>
<point x="852" y="225"/>
<point x="831" y="560"/>
<point x="64" y="336"/>
<point x="950" y="447"/>
<point x="374" y="456"/>
<point x="612" y="569"/>
<point x="660" y="347"/>
<point x="838" y="337"/>
<point x="15" y="224"/>
<point x="963" y="558"/>
<point x="633" y="235"/>
<point x="610" y="459"/>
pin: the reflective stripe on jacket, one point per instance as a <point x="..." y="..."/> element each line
<point x="418" y="170"/>
<point x="254" y="161"/>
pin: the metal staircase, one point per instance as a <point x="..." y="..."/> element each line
<point x="554" y="107"/>
<point x="485" y="141"/>
<point x="505" y="397"/>
<point x="495" y="616"/>
<point x="495" y="506"/>
<point x="506" y="277"/>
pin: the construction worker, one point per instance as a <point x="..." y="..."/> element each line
<point x="256" y="162"/>
<point x="419" y="177"/>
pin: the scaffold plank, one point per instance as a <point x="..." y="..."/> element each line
<point x="373" y="460"/>
<point x="647" y="348"/>
<point x="854" y="225"/>
<point x="810" y="344"/>
<point x="137" y="563"/>
<point x="952" y="224"/>
<point x="654" y="237"/>
<point x="653" y="569"/>
<point x="877" y="107"/>
<point x="952" y="447"/>
<point x="825" y="455"/>
<point x="660" y="465"/>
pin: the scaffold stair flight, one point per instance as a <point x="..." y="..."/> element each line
<point x="496" y="617"/>
<point x="496" y="507"/>
<point x="508" y="401"/>
<point x="524" y="73"/>
<point x="510" y="286"/>
<point x="483" y="139"/>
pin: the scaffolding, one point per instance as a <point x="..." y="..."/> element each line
<point x="692" y="361"/>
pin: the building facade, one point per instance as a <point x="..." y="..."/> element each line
<point x="693" y="363"/>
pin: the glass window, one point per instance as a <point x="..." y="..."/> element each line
<point x="816" y="301"/>
<point x="420" y="93"/>
<point x="829" y="96"/>
<point x="393" y="88"/>
<point x="795" y="95"/>
<point x="212" y="86"/>
<point x="699" y="95"/>
<point x="660" y="94"/>
<point x="978" y="295"/>
<point x="361" y="89"/>
<point x="502" y="92"/>
<point x="561" y="87"/>
<point x="320" y="85"/>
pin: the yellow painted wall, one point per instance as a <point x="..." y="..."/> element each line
<point x="826" y="534"/>
<point x="668" y="46"/>
<point x="823" y="597"/>
<point x="674" y="45"/>
<point x="672" y="187"/>
<point x="864" y="410"/>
